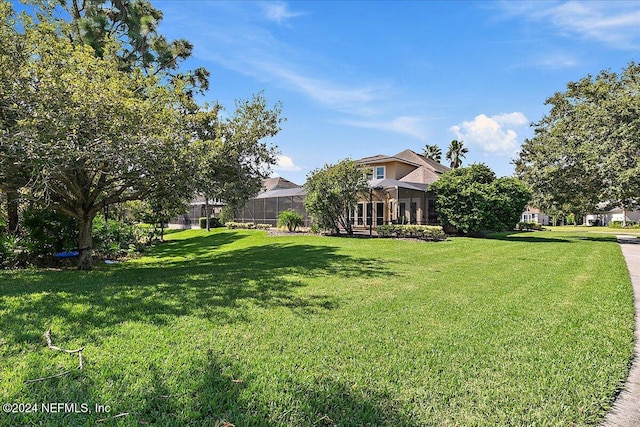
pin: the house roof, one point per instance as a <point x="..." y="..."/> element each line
<point x="426" y="171"/>
<point x="282" y="192"/>
<point x="423" y="175"/>
<point x="387" y="183"/>
<point x="277" y="183"/>
<point x="412" y="156"/>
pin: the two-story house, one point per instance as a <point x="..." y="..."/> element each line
<point x="398" y="187"/>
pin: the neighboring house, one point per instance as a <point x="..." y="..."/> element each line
<point x="398" y="194"/>
<point x="278" y="194"/>
<point x="531" y="214"/>
<point x="398" y="190"/>
<point x="605" y="214"/>
<point x="197" y="210"/>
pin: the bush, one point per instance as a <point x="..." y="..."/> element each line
<point x="618" y="224"/>
<point x="48" y="232"/>
<point x="213" y="222"/>
<point x="529" y="226"/>
<point x="423" y="232"/>
<point x="290" y="219"/>
<point x="472" y="200"/>
<point x="113" y="239"/>
<point x="241" y="225"/>
<point x="226" y="215"/>
<point x="12" y="253"/>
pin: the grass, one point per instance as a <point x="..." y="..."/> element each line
<point x="593" y="229"/>
<point x="240" y="327"/>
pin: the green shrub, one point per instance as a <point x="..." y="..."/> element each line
<point x="213" y="222"/>
<point x="113" y="239"/>
<point x="226" y="215"/>
<point x="12" y="253"/>
<point x="532" y="225"/>
<point x="243" y="225"/>
<point x="263" y="226"/>
<point x="618" y="224"/>
<point x="48" y="232"/>
<point x="423" y="232"/>
<point x="290" y="219"/>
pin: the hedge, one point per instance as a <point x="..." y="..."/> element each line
<point x="247" y="225"/>
<point x="424" y="232"/>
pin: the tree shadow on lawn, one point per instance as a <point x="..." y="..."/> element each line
<point x="217" y="390"/>
<point x="221" y="287"/>
<point x="226" y="394"/>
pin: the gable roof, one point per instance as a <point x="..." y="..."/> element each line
<point x="412" y="156"/>
<point x="277" y="183"/>
<point x="426" y="171"/>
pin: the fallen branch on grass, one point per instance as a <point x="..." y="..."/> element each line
<point x="47" y="336"/>
<point x="46" y="378"/>
<point x="124" y="414"/>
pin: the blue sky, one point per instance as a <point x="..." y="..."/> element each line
<point x="362" y="78"/>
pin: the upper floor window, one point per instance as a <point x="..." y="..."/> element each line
<point x="375" y="172"/>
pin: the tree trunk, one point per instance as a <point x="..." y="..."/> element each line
<point x="85" y="243"/>
<point x="161" y="231"/>
<point x="624" y="216"/>
<point x="206" y="211"/>
<point x="12" y="211"/>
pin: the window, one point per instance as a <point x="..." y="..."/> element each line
<point x="368" y="172"/>
<point x="379" y="172"/>
<point x="379" y="213"/>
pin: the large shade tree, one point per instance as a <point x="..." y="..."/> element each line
<point x="332" y="192"/>
<point x="13" y="95"/>
<point x="233" y="154"/>
<point x="587" y="148"/>
<point x="90" y="133"/>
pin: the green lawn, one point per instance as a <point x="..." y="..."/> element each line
<point x="237" y="326"/>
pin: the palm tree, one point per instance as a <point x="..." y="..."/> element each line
<point x="432" y="152"/>
<point x="456" y="153"/>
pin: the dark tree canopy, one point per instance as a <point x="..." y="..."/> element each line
<point x="473" y="200"/>
<point x="587" y="148"/>
<point x="94" y="112"/>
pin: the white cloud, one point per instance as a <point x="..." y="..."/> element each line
<point x="512" y="119"/>
<point x="612" y="23"/>
<point x="256" y="53"/>
<point x="493" y="133"/>
<point x="333" y="95"/>
<point x="408" y="125"/>
<point x="278" y="11"/>
<point x="285" y="163"/>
